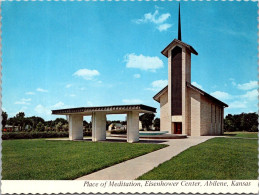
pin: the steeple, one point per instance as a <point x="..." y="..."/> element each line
<point x="179" y="25"/>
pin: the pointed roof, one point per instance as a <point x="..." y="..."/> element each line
<point x="178" y="42"/>
<point x="160" y="93"/>
<point x="165" y="89"/>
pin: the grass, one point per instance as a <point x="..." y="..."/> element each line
<point x="40" y="159"/>
<point x="242" y="134"/>
<point x="215" y="159"/>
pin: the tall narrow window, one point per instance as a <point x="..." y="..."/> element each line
<point x="211" y="113"/>
<point x="215" y="114"/>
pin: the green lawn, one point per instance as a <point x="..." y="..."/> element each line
<point x="40" y="159"/>
<point x="215" y="159"/>
<point x="242" y="134"/>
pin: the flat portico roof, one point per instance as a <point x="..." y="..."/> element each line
<point x="116" y="109"/>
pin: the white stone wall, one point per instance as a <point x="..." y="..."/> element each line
<point x="98" y="126"/>
<point x="75" y="126"/>
<point x="132" y="127"/>
<point x="195" y="114"/>
<point x="165" y="121"/>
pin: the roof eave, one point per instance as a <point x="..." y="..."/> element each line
<point x="165" y="51"/>
<point x="206" y="94"/>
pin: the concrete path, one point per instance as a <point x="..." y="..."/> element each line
<point x="132" y="169"/>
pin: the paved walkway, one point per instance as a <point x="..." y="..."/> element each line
<point x="132" y="169"/>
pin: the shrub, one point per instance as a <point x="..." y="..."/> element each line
<point x="37" y="134"/>
<point x="33" y="135"/>
<point x="118" y="131"/>
<point x="254" y="128"/>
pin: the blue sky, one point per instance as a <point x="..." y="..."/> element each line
<point x="74" y="54"/>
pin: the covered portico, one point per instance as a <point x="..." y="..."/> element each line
<point x="75" y="120"/>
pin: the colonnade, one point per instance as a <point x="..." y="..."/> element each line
<point x="99" y="126"/>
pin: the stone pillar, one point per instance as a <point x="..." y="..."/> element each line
<point x="132" y="126"/>
<point x="98" y="126"/>
<point x="75" y="127"/>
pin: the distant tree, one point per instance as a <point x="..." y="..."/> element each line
<point x="20" y="120"/>
<point x="40" y="126"/>
<point x="49" y="124"/>
<point x="59" y="126"/>
<point x="4" y="119"/>
<point x="35" y="120"/>
<point x="157" y="123"/>
<point x="146" y="120"/>
<point x="65" y="127"/>
<point x="241" y="122"/>
<point x="28" y="124"/>
<point x="12" y="121"/>
<point x="60" y="120"/>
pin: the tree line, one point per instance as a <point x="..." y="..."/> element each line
<point x="236" y="122"/>
<point x="34" y="123"/>
<point x="241" y="122"/>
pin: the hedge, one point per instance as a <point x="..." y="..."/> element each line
<point x="118" y="131"/>
<point x="35" y="134"/>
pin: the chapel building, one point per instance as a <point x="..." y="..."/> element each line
<point x="184" y="108"/>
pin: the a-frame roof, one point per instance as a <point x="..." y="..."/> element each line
<point x="165" y="89"/>
<point x="176" y="41"/>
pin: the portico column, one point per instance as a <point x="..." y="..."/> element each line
<point x="132" y="126"/>
<point x="75" y="125"/>
<point x="98" y="126"/>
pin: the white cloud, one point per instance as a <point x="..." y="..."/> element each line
<point x="158" y="85"/>
<point x="23" y="101"/>
<point x="132" y="101"/>
<point x="197" y="85"/>
<point x="221" y="95"/>
<point x="136" y="76"/>
<point x="68" y="85"/>
<point x="99" y="82"/>
<point x="42" y="110"/>
<point x="163" y="27"/>
<point x="30" y="93"/>
<point x="251" y="95"/>
<point x="247" y="86"/>
<point x="153" y="18"/>
<point x="58" y="105"/>
<point x="23" y="109"/>
<point x="86" y="74"/>
<point x="82" y="88"/>
<point x="72" y="95"/>
<point x="143" y="62"/>
<point x="41" y="90"/>
<point x="238" y="104"/>
<point x="157" y="19"/>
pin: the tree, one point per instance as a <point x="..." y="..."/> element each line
<point x="157" y="124"/>
<point x="147" y="120"/>
<point x="241" y="122"/>
<point x="40" y="127"/>
<point x="20" y="120"/>
<point x="60" y="120"/>
<point x="4" y="119"/>
<point x="59" y="126"/>
<point x="35" y="120"/>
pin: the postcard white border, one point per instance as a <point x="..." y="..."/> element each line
<point x="103" y="186"/>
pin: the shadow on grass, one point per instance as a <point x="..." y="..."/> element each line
<point x="229" y="134"/>
<point x="125" y="141"/>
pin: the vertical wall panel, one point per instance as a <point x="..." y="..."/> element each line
<point x="176" y="79"/>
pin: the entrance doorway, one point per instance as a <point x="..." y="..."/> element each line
<point x="177" y="128"/>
